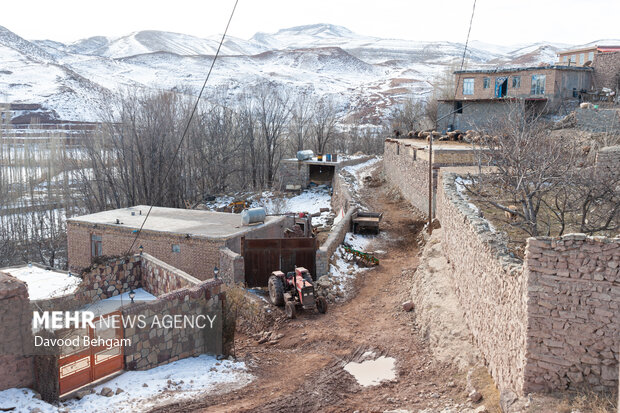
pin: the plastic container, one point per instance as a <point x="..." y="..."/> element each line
<point x="328" y="157"/>
<point x="253" y="216"/>
<point x="319" y="157"/>
<point x="304" y="155"/>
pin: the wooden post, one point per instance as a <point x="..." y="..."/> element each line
<point x="429" y="229"/>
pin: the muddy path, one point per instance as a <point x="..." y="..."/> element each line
<point x="303" y="371"/>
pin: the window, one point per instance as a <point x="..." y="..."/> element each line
<point x="538" y="84"/>
<point x="591" y="56"/>
<point x="468" y="86"/>
<point x="516" y="82"/>
<point x="458" y="107"/>
<point x="565" y="59"/>
<point x="582" y="56"/>
<point x="176" y="248"/>
<point x="573" y="58"/>
<point x="486" y="82"/>
<point x="96" y="249"/>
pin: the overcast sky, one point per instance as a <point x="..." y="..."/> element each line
<point x="496" y="21"/>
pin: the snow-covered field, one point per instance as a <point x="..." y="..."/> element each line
<point x="142" y="390"/>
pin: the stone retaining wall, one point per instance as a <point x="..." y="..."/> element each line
<point x="341" y="199"/>
<point x="154" y="346"/>
<point x="543" y="325"/>
<point x="408" y="172"/>
<point x="159" y="278"/>
<point x="598" y="120"/>
<point x="573" y="303"/>
<point x="232" y="267"/>
<point x="489" y="283"/>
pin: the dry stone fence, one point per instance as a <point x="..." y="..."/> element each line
<point x="548" y="322"/>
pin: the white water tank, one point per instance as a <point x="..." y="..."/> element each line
<point x="253" y="216"/>
<point x="304" y="155"/>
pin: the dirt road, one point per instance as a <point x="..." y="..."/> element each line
<point x="303" y="371"/>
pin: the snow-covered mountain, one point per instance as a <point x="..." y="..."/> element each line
<point x="365" y="75"/>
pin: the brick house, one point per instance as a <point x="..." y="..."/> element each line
<point x="486" y="95"/>
<point x="193" y="241"/>
<point x="586" y="56"/>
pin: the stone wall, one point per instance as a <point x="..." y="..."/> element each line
<point x="574" y="297"/>
<point x="606" y="70"/>
<point x="407" y="172"/>
<point x="16" y="366"/>
<point x="598" y="120"/>
<point x="159" y="278"/>
<point x="232" y="267"/>
<point x="489" y="283"/>
<point x="113" y="277"/>
<point x="154" y="346"/>
<point x="335" y="238"/>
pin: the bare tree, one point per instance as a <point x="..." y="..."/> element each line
<point x="528" y="164"/>
<point x="324" y="121"/>
<point x="272" y="113"/>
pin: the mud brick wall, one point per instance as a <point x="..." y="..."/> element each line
<point x="573" y="306"/>
<point x="489" y="284"/>
<point x="408" y="175"/>
<point x="335" y="238"/>
<point x="152" y="347"/>
<point x="232" y="267"/>
<point x="159" y="278"/>
<point x="598" y="120"/>
<point x="606" y="70"/>
<point x="16" y="366"/>
<point x="111" y="278"/>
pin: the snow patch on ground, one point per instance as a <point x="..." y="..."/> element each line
<point x="341" y="270"/>
<point x="181" y="380"/>
<point x="372" y="372"/>
<point x="44" y="284"/>
<point x="360" y="171"/>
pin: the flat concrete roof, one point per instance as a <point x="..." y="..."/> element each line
<point x="206" y="224"/>
<point x="438" y="145"/>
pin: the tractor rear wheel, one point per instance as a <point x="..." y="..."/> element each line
<point x="290" y="309"/>
<point x="321" y="305"/>
<point x="276" y="290"/>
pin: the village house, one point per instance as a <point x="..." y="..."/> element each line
<point x="483" y="96"/>
<point x="194" y="241"/>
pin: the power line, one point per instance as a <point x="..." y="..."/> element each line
<point x="176" y="152"/>
<point x="458" y="75"/>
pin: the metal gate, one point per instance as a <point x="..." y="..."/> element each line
<point x="262" y="256"/>
<point x="82" y="363"/>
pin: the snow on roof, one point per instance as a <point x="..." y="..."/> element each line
<point x="42" y="283"/>
<point x="109" y="305"/>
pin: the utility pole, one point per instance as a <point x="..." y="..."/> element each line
<point x="430" y="183"/>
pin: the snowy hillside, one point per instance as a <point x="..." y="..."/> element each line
<point x="365" y="75"/>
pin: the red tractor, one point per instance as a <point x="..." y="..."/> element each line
<point x="295" y="289"/>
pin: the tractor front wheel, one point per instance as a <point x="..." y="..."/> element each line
<point x="321" y="305"/>
<point x="290" y="309"/>
<point x="276" y="290"/>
